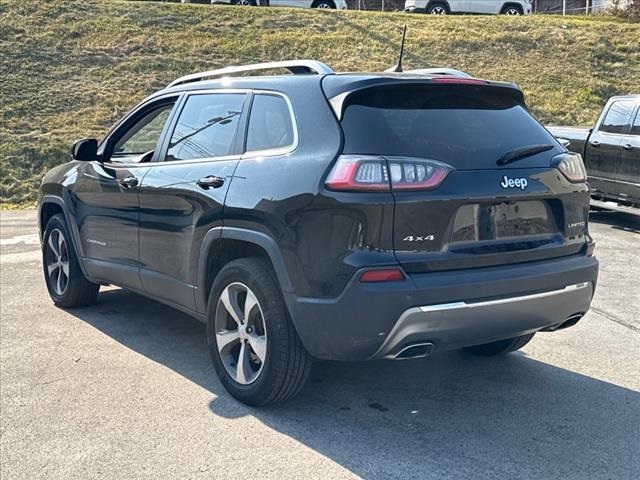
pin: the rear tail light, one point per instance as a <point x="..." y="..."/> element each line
<point x="416" y="174"/>
<point x="353" y="172"/>
<point x="571" y="166"/>
<point x="374" y="173"/>
<point x="591" y="248"/>
<point x="385" y="275"/>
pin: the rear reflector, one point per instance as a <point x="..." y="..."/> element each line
<point x="375" y="173"/>
<point x="386" y="275"/>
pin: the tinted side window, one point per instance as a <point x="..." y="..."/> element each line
<point x="207" y="126"/>
<point x="635" y="128"/>
<point x="618" y="117"/>
<point x="143" y="136"/>
<point x="270" y="123"/>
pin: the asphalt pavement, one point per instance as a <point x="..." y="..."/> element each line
<point x="125" y="389"/>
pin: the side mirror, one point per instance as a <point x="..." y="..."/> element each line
<point x="564" y="141"/>
<point x="85" y="150"/>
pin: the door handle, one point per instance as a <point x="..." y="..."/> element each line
<point x="627" y="146"/>
<point x="594" y="143"/>
<point x="210" y="181"/>
<point x="129" y="182"/>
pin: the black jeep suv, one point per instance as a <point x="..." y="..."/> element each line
<point x="334" y="216"/>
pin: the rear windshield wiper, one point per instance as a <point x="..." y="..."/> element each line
<point x="522" y="152"/>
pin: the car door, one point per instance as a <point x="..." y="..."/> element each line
<point x="182" y="195"/>
<point x="628" y="171"/>
<point x="603" y="149"/>
<point x="294" y="3"/>
<point x="106" y="194"/>
<point x="456" y="6"/>
<point x="484" y="6"/>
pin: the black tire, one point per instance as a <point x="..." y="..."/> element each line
<point x="501" y="347"/>
<point x="77" y="291"/>
<point x="437" y="8"/>
<point x="287" y="364"/>
<point x="325" y="4"/>
<point x="512" y="10"/>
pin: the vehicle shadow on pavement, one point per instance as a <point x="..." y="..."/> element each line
<point x="448" y="416"/>
<point x="617" y="220"/>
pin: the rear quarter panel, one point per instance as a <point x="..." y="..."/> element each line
<point x="323" y="236"/>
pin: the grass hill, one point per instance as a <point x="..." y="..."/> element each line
<point x="70" y="69"/>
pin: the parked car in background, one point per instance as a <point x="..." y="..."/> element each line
<point x="487" y="7"/>
<point x="326" y="4"/>
<point x="611" y="150"/>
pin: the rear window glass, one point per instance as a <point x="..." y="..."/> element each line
<point x="464" y="126"/>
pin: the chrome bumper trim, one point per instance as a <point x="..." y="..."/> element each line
<point x="501" y="301"/>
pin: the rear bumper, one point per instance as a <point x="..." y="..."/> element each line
<point x="461" y="324"/>
<point x="447" y="309"/>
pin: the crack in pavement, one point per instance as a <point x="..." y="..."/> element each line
<point x="615" y="319"/>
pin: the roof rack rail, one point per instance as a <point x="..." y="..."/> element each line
<point x="440" y="71"/>
<point x="296" y="67"/>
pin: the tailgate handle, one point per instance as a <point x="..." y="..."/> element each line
<point x="210" y="181"/>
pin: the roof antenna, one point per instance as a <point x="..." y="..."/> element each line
<point x="398" y="66"/>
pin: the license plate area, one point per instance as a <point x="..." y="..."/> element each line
<point x="505" y="220"/>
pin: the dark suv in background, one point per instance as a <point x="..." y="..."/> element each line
<point x="345" y="216"/>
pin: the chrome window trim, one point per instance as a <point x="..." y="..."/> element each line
<point x="194" y="160"/>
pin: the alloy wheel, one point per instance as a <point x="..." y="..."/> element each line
<point x="57" y="261"/>
<point x="438" y="10"/>
<point x="241" y="336"/>
<point x="512" y="11"/>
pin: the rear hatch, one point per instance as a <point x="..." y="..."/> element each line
<point x="471" y="172"/>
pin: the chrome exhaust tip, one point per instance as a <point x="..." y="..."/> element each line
<point x="414" y="350"/>
<point x="569" y="322"/>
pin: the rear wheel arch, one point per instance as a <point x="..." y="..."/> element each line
<point x="222" y="245"/>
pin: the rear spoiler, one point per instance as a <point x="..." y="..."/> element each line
<point x="337" y="97"/>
